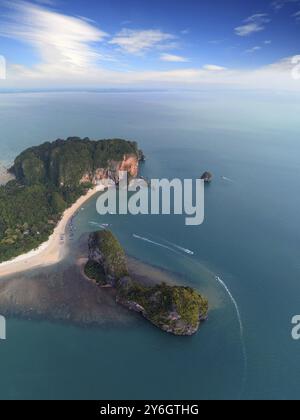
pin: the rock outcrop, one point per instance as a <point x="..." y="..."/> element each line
<point x="174" y="309"/>
<point x="129" y="164"/>
<point x="5" y="175"/>
<point x="207" y="177"/>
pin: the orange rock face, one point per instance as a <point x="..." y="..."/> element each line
<point x="130" y="164"/>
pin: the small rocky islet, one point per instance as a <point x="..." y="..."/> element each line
<point x="174" y="309"/>
<point x="207" y="177"/>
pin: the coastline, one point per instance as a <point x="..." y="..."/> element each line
<point x="5" y="176"/>
<point x="64" y="294"/>
<point x="52" y="251"/>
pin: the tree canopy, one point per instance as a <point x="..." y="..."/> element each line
<point x="47" y="182"/>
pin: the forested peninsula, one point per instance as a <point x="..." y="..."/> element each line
<point x="50" y="178"/>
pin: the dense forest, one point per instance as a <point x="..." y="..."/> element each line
<point x="47" y="182"/>
<point x="64" y="162"/>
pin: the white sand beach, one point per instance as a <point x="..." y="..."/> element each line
<point x="52" y="251"/>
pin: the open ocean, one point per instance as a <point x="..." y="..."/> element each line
<point x="246" y="255"/>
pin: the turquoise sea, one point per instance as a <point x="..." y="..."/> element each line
<point x="246" y="261"/>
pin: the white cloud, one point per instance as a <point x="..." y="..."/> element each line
<point x="279" y="4"/>
<point x="253" y="24"/>
<point x="253" y="49"/>
<point x="170" y="58"/>
<point x="213" y="67"/>
<point x="185" y="31"/>
<point x="138" y="41"/>
<point x="274" y="77"/>
<point x="297" y="16"/>
<point x="216" y="41"/>
<point x="69" y="56"/>
<point x="63" y="42"/>
<point x="126" y="22"/>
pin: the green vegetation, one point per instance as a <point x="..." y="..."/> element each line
<point x="161" y="301"/>
<point x="29" y="214"/>
<point x="172" y="308"/>
<point x="47" y="182"/>
<point x="95" y="271"/>
<point x="65" y="162"/>
<point x="114" y="258"/>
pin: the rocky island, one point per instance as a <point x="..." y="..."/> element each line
<point x="207" y="177"/>
<point x="174" y="309"/>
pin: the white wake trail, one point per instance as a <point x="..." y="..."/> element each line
<point x="180" y="248"/>
<point x="241" y="329"/>
<point x="234" y="302"/>
<point x="141" y="238"/>
<point x="227" y="179"/>
<point x="100" y="225"/>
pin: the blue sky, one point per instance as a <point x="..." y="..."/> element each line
<point x="147" y="43"/>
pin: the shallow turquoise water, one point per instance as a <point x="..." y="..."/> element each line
<point x="250" y="239"/>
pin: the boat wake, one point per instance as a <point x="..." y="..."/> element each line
<point x="227" y="179"/>
<point x="220" y="281"/>
<point x="170" y="246"/>
<point x="141" y="238"/>
<point x="100" y="225"/>
<point x="234" y="302"/>
<point x="180" y="248"/>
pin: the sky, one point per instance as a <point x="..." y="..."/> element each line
<point x="149" y="44"/>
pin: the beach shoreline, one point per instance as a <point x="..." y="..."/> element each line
<point x="52" y="251"/>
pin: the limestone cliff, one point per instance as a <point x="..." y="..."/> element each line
<point x="174" y="309"/>
<point x="67" y="163"/>
<point x="129" y="164"/>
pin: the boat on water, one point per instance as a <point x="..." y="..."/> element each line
<point x="187" y="251"/>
